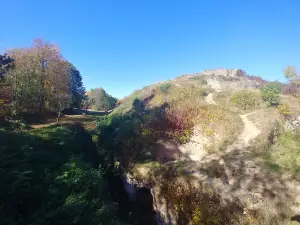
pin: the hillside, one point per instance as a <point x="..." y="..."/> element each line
<point x="212" y="80"/>
<point x="214" y="147"/>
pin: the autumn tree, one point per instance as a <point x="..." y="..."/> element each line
<point x="40" y="79"/>
<point x="292" y="75"/>
<point x="293" y="85"/>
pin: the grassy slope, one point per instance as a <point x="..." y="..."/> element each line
<point x="169" y="111"/>
<point x="187" y="101"/>
<point x="50" y="176"/>
<point x="284" y="155"/>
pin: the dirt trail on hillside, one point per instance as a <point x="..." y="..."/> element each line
<point x="209" y="99"/>
<point x="234" y="173"/>
<point x="250" y="130"/>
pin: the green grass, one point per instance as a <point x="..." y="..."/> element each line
<point x="126" y="105"/>
<point x="284" y="155"/>
<point x="51" y="176"/>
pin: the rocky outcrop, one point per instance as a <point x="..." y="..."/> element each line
<point x="293" y="123"/>
<point x="230" y="78"/>
<point x="227" y="78"/>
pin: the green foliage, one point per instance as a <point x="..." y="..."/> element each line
<point x="164" y="88"/>
<point x="290" y="73"/>
<point x="191" y="95"/>
<point x="246" y="100"/>
<point x="37" y="80"/>
<point x="77" y="88"/>
<point x="51" y="176"/>
<point x="284" y="110"/>
<point x="100" y="100"/>
<point x="293" y="85"/>
<point x="6" y="63"/>
<point x="284" y="154"/>
<point x="127" y="103"/>
<point x="270" y="93"/>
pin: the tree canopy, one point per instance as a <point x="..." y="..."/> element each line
<point x="270" y="93"/>
<point x="100" y="100"/>
<point x="38" y="79"/>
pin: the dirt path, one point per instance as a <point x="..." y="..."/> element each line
<point x="234" y="173"/>
<point x="209" y="99"/>
<point x="250" y="130"/>
<point x="86" y="120"/>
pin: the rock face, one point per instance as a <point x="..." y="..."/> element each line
<point x="227" y="78"/>
<point x="224" y="72"/>
<point x="230" y="78"/>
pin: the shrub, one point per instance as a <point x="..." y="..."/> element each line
<point x="283" y="154"/>
<point x="270" y="94"/>
<point x="245" y="100"/>
<point x="284" y="110"/>
<point x="164" y="88"/>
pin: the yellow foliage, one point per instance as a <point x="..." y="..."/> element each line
<point x="246" y="100"/>
<point x="284" y="110"/>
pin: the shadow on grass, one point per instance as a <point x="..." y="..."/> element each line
<point x="51" y="176"/>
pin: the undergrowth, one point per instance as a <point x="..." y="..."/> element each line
<point x="284" y="155"/>
<point x="246" y="100"/>
<point x="51" y="176"/>
<point x="239" y="101"/>
<point x="165" y="115"/>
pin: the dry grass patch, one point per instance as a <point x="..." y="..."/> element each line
<point x="291" y="102"/>
<point x="269" y="121"/>
<point x="220" y="126"/>
<point x="193" y="96"/>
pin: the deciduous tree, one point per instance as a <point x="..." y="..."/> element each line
<point x="102" y="100"/>
<point x="40" y="79"/>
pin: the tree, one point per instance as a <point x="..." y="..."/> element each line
<point x="6" y="63"/>
<point x="102" y="100"/>
<point x="270" y="93"/>
<point x="77" y="89"/>
<point x="293" y="85"/>
<point x="40" y="79"/>
<point x="292" y="75"/>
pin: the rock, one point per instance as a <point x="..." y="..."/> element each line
<point x="234" y="73"/>
<point x="129" y="186"/>
<point x="293" y="123"/>
<point x="229" y="78"/>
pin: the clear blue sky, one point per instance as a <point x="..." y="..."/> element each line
<point x="125" y="45"/>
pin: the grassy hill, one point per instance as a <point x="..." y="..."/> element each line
<point x="209" y="136"/>
<point x="216" y="147"/>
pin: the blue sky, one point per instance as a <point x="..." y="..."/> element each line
<point x="124" y="45"/>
